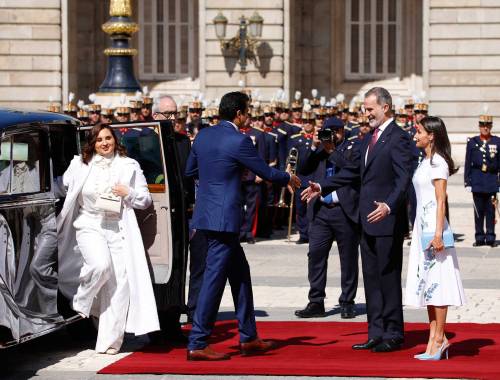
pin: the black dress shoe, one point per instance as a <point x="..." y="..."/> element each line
<point x="492" y="244"/>
<point x="368" y="345"/>
<point x="250" y="241"/>
<point x="347" y="311"/>
<point x="478" y="244"/>
<point x="388" y="345"/>
<point x="302" y="241"/>
<point x="312" y="310"/>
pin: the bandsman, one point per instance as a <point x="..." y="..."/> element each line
<point x="481" y="177"/>
<point x="303" y="141"/>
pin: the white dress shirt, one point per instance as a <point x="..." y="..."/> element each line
<point x="381" y="129"/>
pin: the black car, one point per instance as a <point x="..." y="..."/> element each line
<point x="35" y="150"/>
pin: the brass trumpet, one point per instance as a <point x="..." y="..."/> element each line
<point x="291" y="167"/>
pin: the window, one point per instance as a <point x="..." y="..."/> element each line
<point x="168" y="39"/>
<point x="373" y="38"/>
<point x="143" y="145"/>
<point x="23" y="169"/>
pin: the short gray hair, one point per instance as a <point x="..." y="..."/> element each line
<point x="383" y="96"/>
<point x="156" y="104"/>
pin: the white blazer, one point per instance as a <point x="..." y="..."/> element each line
<point x="142" y="315"/>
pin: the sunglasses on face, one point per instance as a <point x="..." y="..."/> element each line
<point x="122" y="114"/>
<point x="195" y="110"/>
<point x="268" y="114"/>
<point x="94" y="112"/>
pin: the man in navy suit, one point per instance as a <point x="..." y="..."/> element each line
<point x="384" y="171"/>
<point x="218" y="157"/>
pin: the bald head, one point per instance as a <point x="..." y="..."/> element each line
<point x="166" y="104"/>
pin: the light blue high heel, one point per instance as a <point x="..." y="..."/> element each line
<point x="422" y="355"/>
<point x="443" y="350"/>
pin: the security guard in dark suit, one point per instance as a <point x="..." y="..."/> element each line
<point x="303" y="141"/>
<point x="481" y="176"/>
<point x="333" y="217"/>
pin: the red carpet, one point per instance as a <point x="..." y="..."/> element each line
<point x="324" y="349"/>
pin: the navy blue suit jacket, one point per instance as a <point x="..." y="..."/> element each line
<point x="315" y="162"/>
<point x="218" y="157"/>
<point x="384" y="178"/>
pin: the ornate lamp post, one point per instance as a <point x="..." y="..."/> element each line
<point x="120" y="76"/>
<point x="245" y="42"/>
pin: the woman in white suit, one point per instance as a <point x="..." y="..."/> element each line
<point x="102" y="263"/>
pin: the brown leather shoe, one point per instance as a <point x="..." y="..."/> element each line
<point x="206" y="354"/>
<point x="256" y="346"/>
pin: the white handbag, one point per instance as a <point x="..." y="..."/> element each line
<point x="109" y="202"/>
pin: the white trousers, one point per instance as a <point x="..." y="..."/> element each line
<point x="103" y="278"/>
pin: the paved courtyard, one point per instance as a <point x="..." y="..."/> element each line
<point x="279" y="274"/>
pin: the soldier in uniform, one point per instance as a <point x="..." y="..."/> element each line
<point x="297" y="109"/>
<point x="180" y="122"/>
<point x="122" y="114"/>
<point x="250" y="188"/>
<point x="333" y="217"/>
<point x="481" y="177"/>
<point x="285" y="131"/>
<point x="302" y="141"/>
<point x="94" y="113"/>
<point x="364" y="128"/>
<point x="107" y="115"/>
<point x="147" y="109"/>
<point x="83" y="115"/>
<point x="195" y="123"/>
<point x="409" y="108"/>
<point x="420" y="111"/>
<point x="266" y="209"/>
<point x="136" y="111"/>
<point x="71" y="110"/>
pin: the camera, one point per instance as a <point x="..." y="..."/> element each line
<point x="327" y="135"/>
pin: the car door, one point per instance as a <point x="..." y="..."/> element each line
<point x="145" y="144"/>
<point x="28" y="235"/>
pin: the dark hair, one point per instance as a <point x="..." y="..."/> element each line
<point x="231" y="103"/>
<point x="88" y="150"/>
<point x="441" y="145"/>
<point x="383" y="96"/>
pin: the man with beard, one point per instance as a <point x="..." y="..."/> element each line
<point x="384" y="173"/>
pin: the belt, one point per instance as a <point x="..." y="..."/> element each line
<point x="330" y="205"/>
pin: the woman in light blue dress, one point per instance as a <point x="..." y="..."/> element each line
<point x="433" y="279"/>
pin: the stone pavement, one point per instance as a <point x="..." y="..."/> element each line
<point x="279" y="275"/>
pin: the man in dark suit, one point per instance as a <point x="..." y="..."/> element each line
<point x="218" y="157"/>
<point x="384" y="173"/>
<point x="334" y="216"/>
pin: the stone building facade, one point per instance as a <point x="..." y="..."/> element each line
<point x="448" y="48"/>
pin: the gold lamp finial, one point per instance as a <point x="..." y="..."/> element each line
<point x="121" y="8"/>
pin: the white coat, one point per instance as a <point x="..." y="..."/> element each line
<point x="142" y="314"/>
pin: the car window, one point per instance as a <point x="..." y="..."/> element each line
<point x="143" y="145"/>
<point x="23" y="169"/>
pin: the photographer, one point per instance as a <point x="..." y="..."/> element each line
<point x="333" y="217"/>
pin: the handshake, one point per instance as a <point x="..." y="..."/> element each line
<point x="294" y="182"/>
